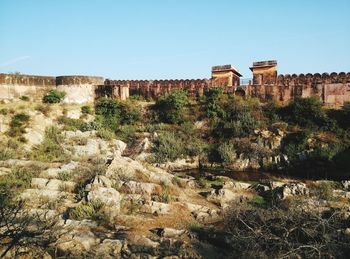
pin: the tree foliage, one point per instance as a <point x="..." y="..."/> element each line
<point x="170" y="107"/>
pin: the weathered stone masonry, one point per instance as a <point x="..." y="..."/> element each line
<point x="332" y="89"/>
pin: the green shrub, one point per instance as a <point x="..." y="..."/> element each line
<point x="18" y="124"/>
<point x="86" y="109"/>
<point x="106" y="134"/>
<point x="170" y="107"/>
<point x="64" y="176"/>
<point x="54" y="96"/>
<point x="156" y="127"/>
<point x="4" y="111"/>
<point x="168" y="147"/>
<point x="50" y="149"/>
<point x="24" y="98"/>
<point x="308" y="112"/>
<point x="125" y="112"/>
<point x="127" y="133"/>
<point x="6" y="153"/>
<point x="295" y="143"/>
<point x="227" y="153"/>
<point x="70" y="124"/>
<point x="86" y="211"/>
<point x="215" y="99"/>
<point x="19" y="179"/>
<point x="258" y="201"/>
<point x="271" y="111"/>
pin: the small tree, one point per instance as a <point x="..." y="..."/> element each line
<point x="171" y="106"/>
<point x="308" y="112"/>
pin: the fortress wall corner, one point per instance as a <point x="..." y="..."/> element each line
<point x="78" y="89"/>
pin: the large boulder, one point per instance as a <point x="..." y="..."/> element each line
<point x="141" y="188"/>
<point x="291" y="189"/>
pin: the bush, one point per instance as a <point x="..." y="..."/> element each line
<point x="64" y="176"/>
<point x="4" y="111"/>
<point x="271" y="111"/>
<point x="6" y="153"/>
<point x="295" y="143"/>
<point x="170" y="107"/>
<point x="91" y="210"/>
<point x="86" y="109"/>
<point x="114" y="112"/>
<point x="214" y="99"/>
<point x="24" y="98"/>
<point x="227" y="153"/>
<point x="168" y="147"/>
<point x="18" y="124"/>
<point x="50" y="149"/>
<point x="78" y="124"/>
<point x="54" y="96"/>
<point x="308" y="112"/>
<point x="106" y="134"/>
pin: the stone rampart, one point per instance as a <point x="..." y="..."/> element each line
<point x="333" y="89"/>
<point x="79" y="89"/>
<point x="14" y="86"/>
<point x="154" y="88"/>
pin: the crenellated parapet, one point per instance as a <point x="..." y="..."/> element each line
<point x="27" y="80"/>
<point x="317" y="78"/>
<point x="332" y="89"/>
<point x="154" y="88"/>
<point x="14" y="86"/>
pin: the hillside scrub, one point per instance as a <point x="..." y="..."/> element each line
<point x="54" y="96"/>
<point x="50" y="150"/>
<point x="18" y="124"/>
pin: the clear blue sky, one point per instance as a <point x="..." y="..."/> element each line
<point x="159" y="39"/>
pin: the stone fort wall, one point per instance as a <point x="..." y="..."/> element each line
<point x="154" y="88"/>
<point x="332" y="89"/>
<point x="79" y="89"/>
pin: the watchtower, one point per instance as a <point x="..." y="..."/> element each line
<point x="225" y="75"/>
<point x="264" y="72"/>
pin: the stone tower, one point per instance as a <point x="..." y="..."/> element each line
<point x="225" y="75"/>
<point x="264" y="72"/>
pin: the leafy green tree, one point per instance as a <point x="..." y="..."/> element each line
<point x="308" y="112"/>
<point x="170" y="107"/>
<point x="111" y="113"/>
<point x="214" y="102"/>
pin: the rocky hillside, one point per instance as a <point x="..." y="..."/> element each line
<point x="81" y="184"/>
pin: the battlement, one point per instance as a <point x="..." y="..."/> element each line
<point x="315" y="78"/>
<point x="27" y="80"/>
<point x="332" y="89"/>
<point x="79" y="80"/>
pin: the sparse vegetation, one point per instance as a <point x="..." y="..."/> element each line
<point x="91" y="210"/>
<point x="24" y="98"/>
<point x="50" y="149"/>
<point x="54" y="96"/>
<point x="18" y="124"/>
<point x="86" y="109"/>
